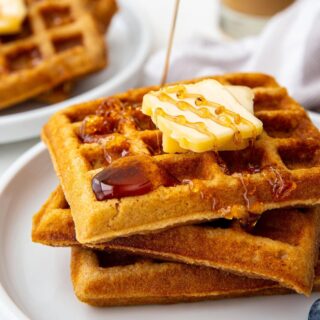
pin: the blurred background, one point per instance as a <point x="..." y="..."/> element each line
<point x="208" y="18"/>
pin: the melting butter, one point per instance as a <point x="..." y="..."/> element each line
<point x="12" y="15"/>
<point x="203" y="116"/>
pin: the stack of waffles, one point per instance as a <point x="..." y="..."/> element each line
<point x="60" y="41"/>
<point x="196" y="225"/>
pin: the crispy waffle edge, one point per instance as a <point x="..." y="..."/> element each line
<point x="152" y="282"/>
<point x="288" y="259"/>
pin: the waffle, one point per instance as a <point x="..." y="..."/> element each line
<point x="60" y="41"/>
<point x="282" y="246"/>
<point x="281" y="169"/>
<point x="57" y="94"/>
<point x="102" y="11"/>
<point x="109" y="279"/>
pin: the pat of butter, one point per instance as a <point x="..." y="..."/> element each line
<point x="203" y="116"/>
<point x="12" y="14"/>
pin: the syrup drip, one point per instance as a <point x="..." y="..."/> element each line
<point x="195" y="186"/>
<point x="96" y="127"/>
<point x="225" y="210"/>
<point x="172" y="31"/>
<point x="109" y="118"/>
<point x="246" y="192"/>
<point x="189" y="183"/>
<point x="141" y="121"/>
<point x="281" y="185"/>
<point x="155" y="147"/>
<point x="121" y="182"/>
<point x="214" y="204"/>
<point x="111" y="155"/>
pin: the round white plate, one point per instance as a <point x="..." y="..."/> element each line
<point x="35" y="282"/>
<point x="128" y="43"/>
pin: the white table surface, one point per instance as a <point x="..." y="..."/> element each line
<point x="194" y="20"/>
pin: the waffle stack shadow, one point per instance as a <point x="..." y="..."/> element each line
<point x="172" y="244"/>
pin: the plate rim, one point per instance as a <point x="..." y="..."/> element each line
<point x="119" y="78"/>
<point x="7" y="305"/>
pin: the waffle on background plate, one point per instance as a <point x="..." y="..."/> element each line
<point x="61" y="40"/>
<point x="281" y="169"/>
<point x="103" y="12"/>
<point x="282" y="246"/>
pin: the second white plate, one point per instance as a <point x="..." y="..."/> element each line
<point x="128" y="43"/>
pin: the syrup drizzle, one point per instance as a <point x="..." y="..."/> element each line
<point x="198" y="126"/>
<point x="200" y="100"/>
<point x="172" y="31"/>
<point x="245" y="191"/>
<point x="221" y="118"/>
<point x="111" y="155"/>
<point x="195" y="186"/>
<point x="281" y="185"/>
<point x="248" y="195"/>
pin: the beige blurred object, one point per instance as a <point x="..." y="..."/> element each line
<point x="248" y="17"/>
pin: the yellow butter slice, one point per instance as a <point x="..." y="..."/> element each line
<point x="12" y="15"/>
<point x="203" y="116"/>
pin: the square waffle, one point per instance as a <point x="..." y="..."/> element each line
<point x="60" y="41"/>
<point x="103" y="12"/>
<point x="108" y="279"/>
<point x="283" y="246"/>
<point x="281" y="169"/>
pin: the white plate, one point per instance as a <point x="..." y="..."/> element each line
<point x="35" y="279"/>
<point x="128" y="45"/>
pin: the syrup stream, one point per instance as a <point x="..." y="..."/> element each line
<point x="173" y="28"/>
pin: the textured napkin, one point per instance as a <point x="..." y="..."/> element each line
<point x="288" y="48"/>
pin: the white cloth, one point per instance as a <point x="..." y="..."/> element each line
<point x="288" y="48"/>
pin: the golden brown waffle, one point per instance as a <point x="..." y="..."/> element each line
<point x="57" y="94"/>
<point x="103" y="12"/>
<point x="108" y="279"/>
<point x="60" y="41"/>
<point x="281" y="169"/>
<point x="283" y="246"/>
